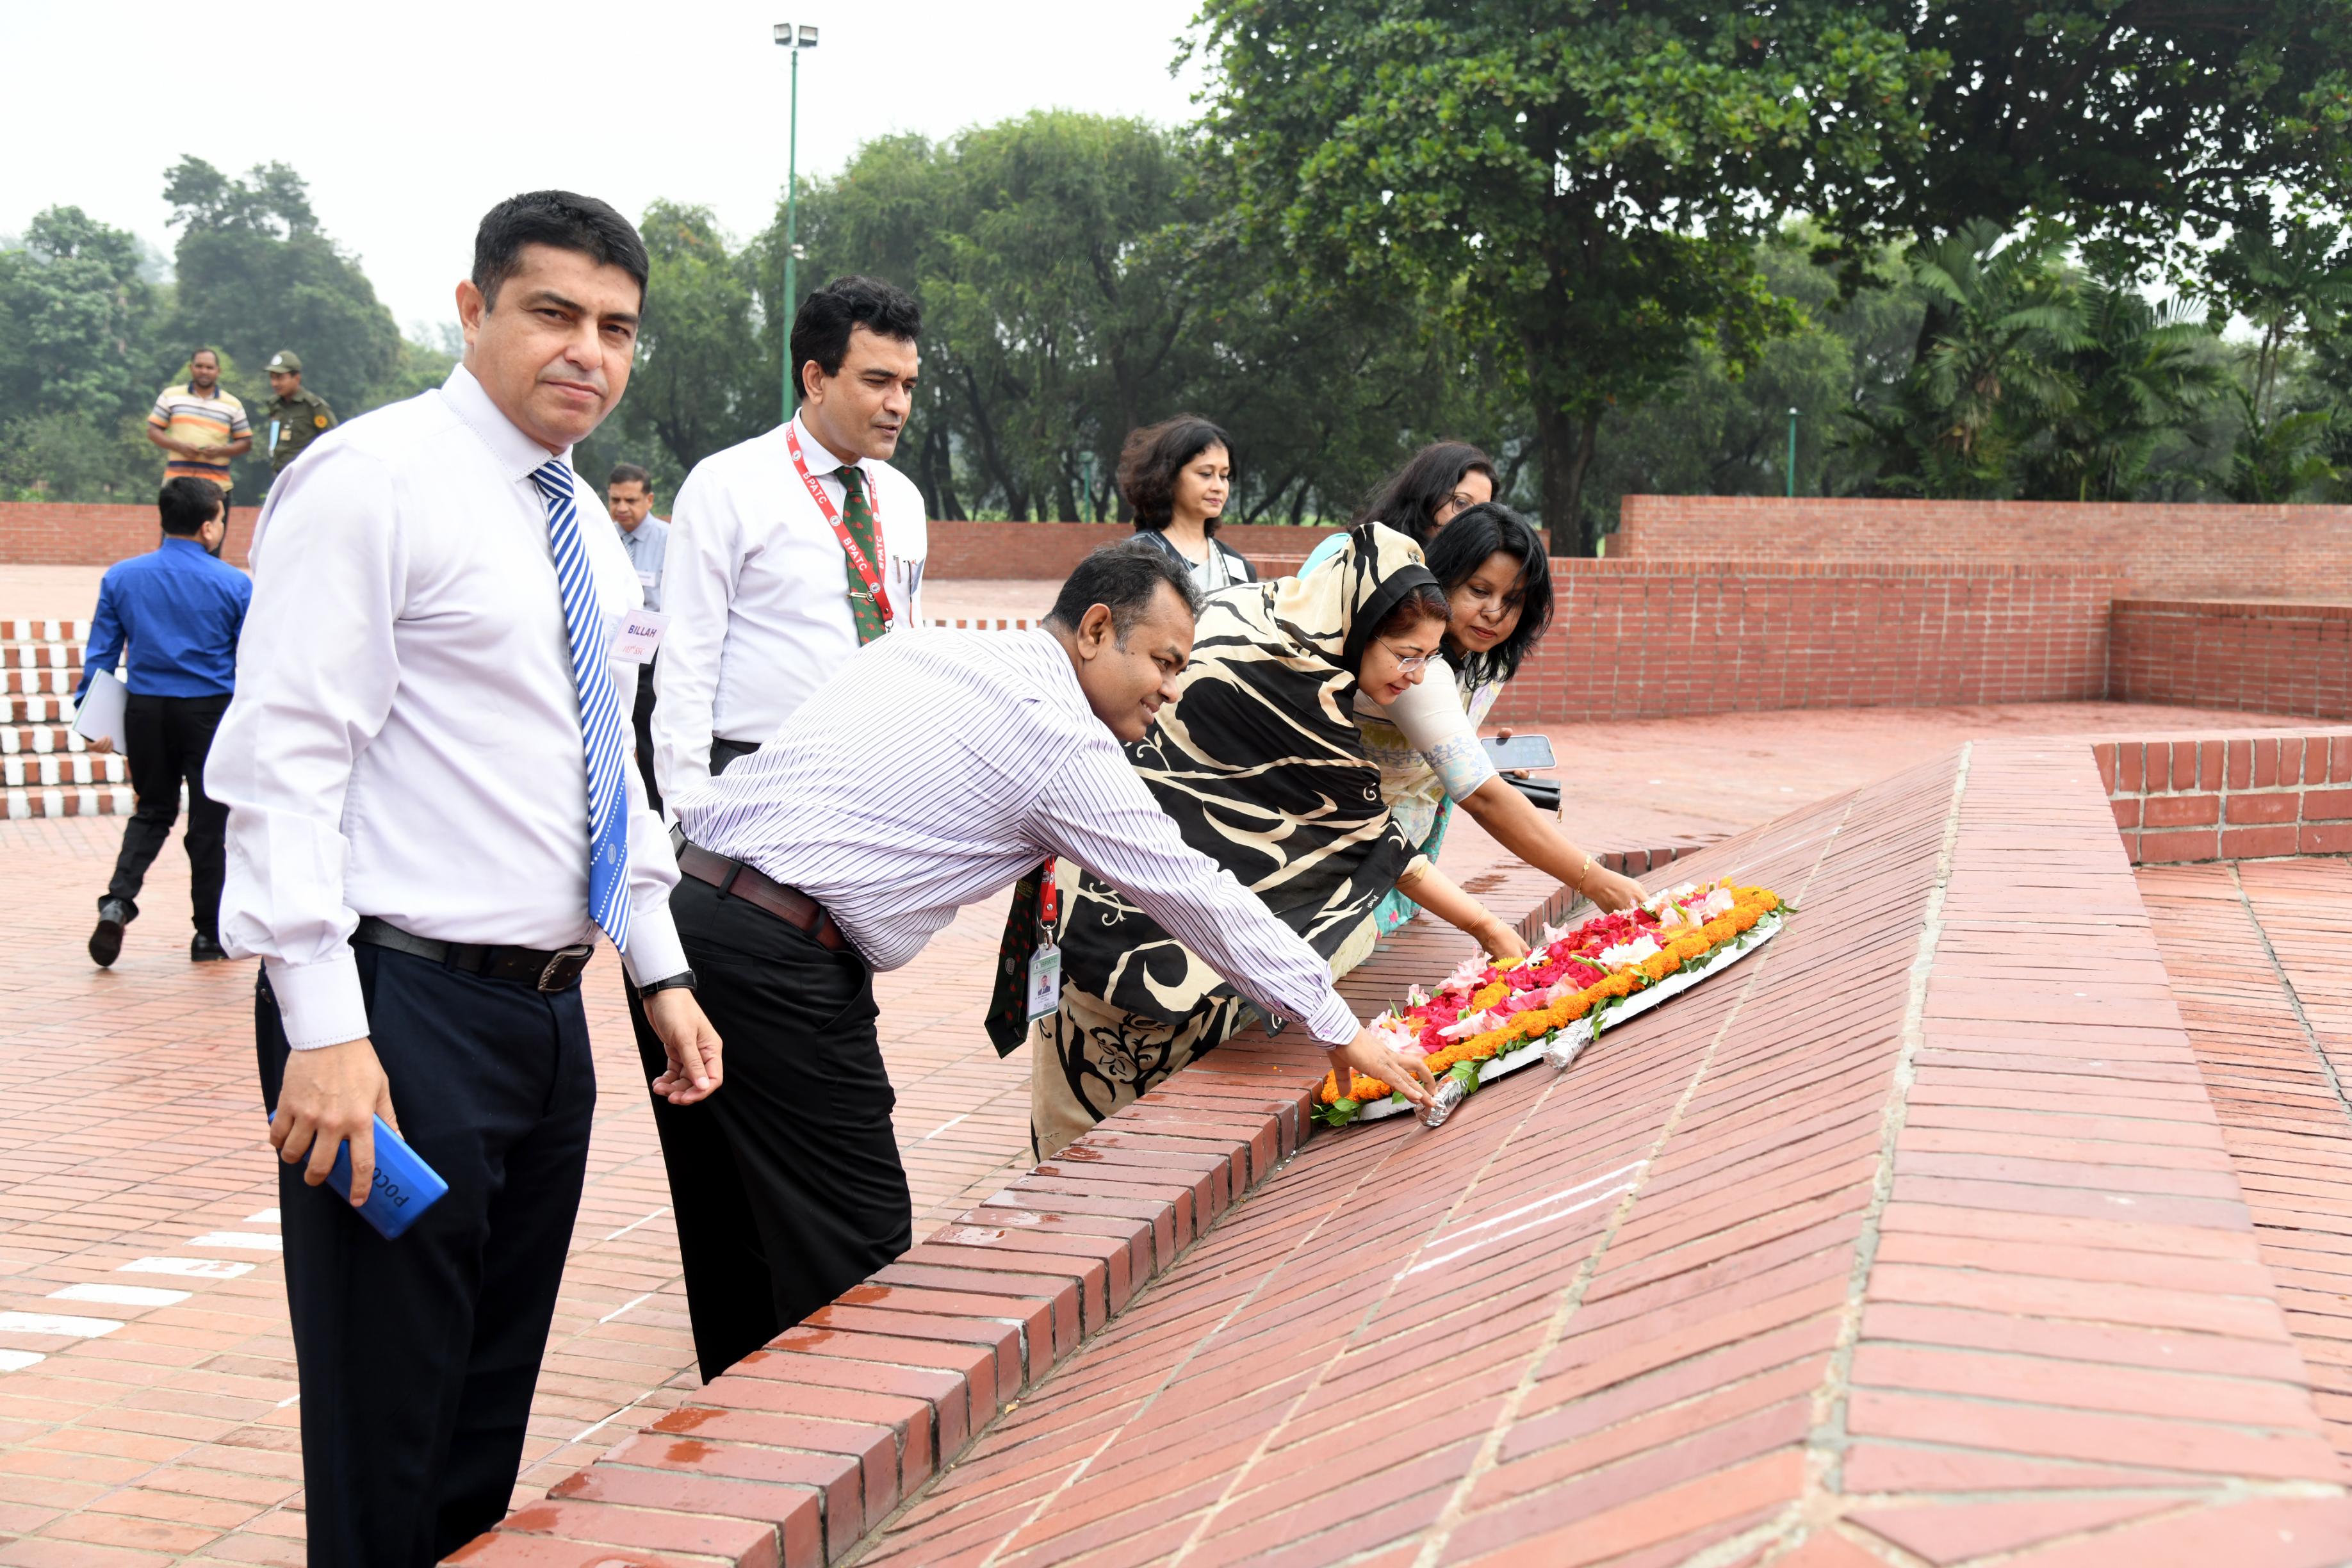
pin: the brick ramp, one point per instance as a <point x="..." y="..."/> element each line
<point x="1911" y="1239"/>
<point x="1912" y="1234"/>
<point x="2260" y="962"/>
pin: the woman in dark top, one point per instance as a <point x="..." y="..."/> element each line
<point x="1177" y="475"/>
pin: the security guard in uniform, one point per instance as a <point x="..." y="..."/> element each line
<point x="294" y="417"/>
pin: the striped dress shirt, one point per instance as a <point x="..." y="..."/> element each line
<point x="932" y="771"/>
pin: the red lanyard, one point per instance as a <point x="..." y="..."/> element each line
<point x="1049" y="899"/>
<point x="857" y="561"/>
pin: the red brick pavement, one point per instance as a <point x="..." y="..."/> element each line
<point x="1913" y="1239"/>
<point x="129" y="1131"/>
<point x="2260" y="964"/>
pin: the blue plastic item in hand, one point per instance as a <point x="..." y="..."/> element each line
<point x="406" y="1187"/>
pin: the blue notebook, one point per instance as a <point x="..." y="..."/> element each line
<point x="406" y="1187"/>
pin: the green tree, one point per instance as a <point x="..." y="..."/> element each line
<point x="75" y="317"/>
<point x="699" y="383"/>
<point x="2123" y="118"/>
<point x="1578" y="184"/>
<point x="2139" y="373"/>
<point x="2000" y="315"/>
<point x="255" y="274"/>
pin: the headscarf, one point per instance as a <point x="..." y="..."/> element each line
<point x="1259" y="762"/>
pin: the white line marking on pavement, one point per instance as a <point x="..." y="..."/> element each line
<point x="618" y="1311"/>
<point x="942" y="1127"/>
<point x="635" y="1223"/>
<point x="285" y="1402"/>
<point x="243" y="1240"/>
<point x="119" y="1295"/>
<point x="187" y="1267"/>
<point x="57" y="1323"/>
<point x="587" y="1432"/>
<point x="267" y="1216"/>
<point x="17" y="1361"/>
<point x="1545" y="1211"/>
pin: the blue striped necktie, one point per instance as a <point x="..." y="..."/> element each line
<point x="600" y="708"/>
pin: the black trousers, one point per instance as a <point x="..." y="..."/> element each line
<point x="642" y="717"/>
<point x="786" y="1181"/>
<point x="166" y="739"/>
<point x="419" y="1357"/>
<point x="725" y="754"/>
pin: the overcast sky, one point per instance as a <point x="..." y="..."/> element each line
<point x="409" y="120"/>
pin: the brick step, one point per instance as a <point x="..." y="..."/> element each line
<point x="45" y="631"/>
<point x="39" y="739"/>
<point x="40" y="656"/>
<point x="35" y="710"/>
<point x="41" y="770"/>
<point x="89" y="800"/>
<point x="51" y="682"/>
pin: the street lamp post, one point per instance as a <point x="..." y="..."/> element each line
<point x="1793" y="455"/>
<point x="795" y="39"/>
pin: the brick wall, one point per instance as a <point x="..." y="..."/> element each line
<point x="2264" y="657"/>
<point x="2220" y="795"/>
<point x="66" y="534"/>
<point x="2269" y="552"/>
<point x="1049" y="549"/>
<point x="1652" y="641"/>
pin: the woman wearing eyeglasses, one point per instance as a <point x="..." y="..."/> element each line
<point x="1262" y="764"/>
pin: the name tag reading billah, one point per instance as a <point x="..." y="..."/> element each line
<point x="638" y="636"/>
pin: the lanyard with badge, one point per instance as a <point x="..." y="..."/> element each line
<point x="863" y="567"/>
<point x="1045" y="963"/>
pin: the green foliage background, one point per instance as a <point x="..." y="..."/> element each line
<point x="2064" y="249"/>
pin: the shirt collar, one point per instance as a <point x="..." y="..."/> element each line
<point x="813" y="452"/>
<point x="516" y="453"/>
<point x="186" y="542"/>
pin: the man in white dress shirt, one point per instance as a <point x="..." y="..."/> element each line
<point x="792" y="549"/>
<point x="431" y="815"/>
<point x="931" y="772"/>
<point x="629" y="496"/>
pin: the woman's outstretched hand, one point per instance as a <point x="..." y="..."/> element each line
<point x="1371" y="1055"/>
<point x="1611" y="891"/>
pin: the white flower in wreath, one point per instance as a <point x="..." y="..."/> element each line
<point x="1629" y="952"/>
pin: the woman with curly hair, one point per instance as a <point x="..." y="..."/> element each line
<point x="1178" y="475"/>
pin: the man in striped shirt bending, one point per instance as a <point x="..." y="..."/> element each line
<point x="928" y="774"/>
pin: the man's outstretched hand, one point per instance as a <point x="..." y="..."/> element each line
<point x="690" y="1042"/>
<point x="1374" y="1058"/>
<point x="331" y="1096"/>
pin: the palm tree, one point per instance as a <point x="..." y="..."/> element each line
<point x="2138" y="373"/>
<point x="1986" y="379"/>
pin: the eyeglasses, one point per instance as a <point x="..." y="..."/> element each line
<point x="1410" y="663"/>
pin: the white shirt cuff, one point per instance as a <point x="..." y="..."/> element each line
<point x="1331" y="1023"/>
<point x="654" y="952"/>
<point x="319" y="1004"/>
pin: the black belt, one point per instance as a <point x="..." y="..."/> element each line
<point x="557" y="971"/>
<point x="735" y="879"/>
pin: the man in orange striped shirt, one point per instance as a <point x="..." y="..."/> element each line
<point x="200" y="425"/>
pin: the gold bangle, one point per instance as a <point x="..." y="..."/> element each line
<point x="1585" y="876"/>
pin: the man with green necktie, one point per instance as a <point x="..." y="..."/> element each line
<point x="786" y="555"/>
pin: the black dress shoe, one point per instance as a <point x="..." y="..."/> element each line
<point x="202" y="949"/>
<point x="106" y="941"/>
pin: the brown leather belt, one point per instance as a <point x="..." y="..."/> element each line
<point x="735" y="879"/>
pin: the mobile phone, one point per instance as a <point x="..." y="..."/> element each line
<point x="405" y="1187"/>
<point x="1520" y="752"/>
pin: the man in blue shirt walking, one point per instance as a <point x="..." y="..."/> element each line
<point x="180" y="610"/>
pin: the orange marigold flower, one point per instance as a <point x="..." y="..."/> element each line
<point x="1486" y="998"/>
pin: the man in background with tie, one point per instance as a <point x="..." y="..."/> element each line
<point x="431" y="815"/>
<point x="795" y="548"/>
<point x="629" y="497"/>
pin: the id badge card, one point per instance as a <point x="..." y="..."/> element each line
<point x="1045" y="981"/>
<point x="638" y="636"/>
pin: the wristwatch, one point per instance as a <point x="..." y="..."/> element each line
<point x="682" y="980"/>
